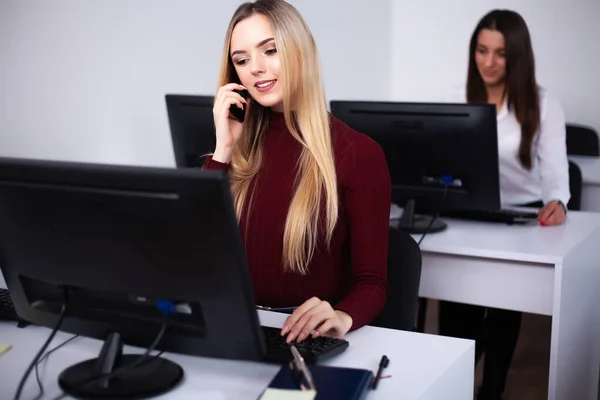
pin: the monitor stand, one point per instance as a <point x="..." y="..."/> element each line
<point x="416" y="223"/>
<point x="152" y="377"/>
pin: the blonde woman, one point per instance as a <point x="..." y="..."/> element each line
<point x="312" y="196"/>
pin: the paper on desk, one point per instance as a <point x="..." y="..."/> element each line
<point x="4" y="348"/>
<point x="284" y="394"/>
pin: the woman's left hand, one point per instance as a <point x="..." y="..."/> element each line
<point x="318" y="316"/>
<point x="552" y="214"/>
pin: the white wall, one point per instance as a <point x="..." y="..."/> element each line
<point x="430" y="40"/>
<point x="85" y="80"/>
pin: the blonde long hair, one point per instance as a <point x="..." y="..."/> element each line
<point x="308" y="123"/>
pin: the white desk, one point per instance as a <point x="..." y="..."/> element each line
<point x="422" y="366"/>
<point x="590" y="171"/>
<point x="544" y="270"/>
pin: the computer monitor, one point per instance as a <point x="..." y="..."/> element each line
<point x="441" y="157"/>
<point x="115" y="245"/>
<point x="192" y="128"/>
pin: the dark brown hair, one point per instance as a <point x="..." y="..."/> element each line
<point x="520" y="83"/>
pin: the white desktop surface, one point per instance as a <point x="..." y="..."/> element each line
<point x="422" y="366"/>
<point x="590" y="172"/>
<point x="528" y="242"/>
<point x="544" y="270"/>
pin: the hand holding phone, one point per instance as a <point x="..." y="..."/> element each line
<point x="229" y="111"/>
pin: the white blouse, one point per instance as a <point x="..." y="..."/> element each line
<point x="548" y="178"/>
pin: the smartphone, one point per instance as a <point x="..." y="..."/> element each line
<point x="234" y="111"/>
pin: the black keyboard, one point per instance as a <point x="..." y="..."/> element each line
<point x="503" y="215"/>
<point x="312" y="350"/>
<point x="7" y="308"/>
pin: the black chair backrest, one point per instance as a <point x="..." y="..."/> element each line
<point x="404" y="278"/>
<point x="582" y="141"/>
<point x="575" y="184"/>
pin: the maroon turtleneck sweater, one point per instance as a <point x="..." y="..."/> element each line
<point x="352" y="275"/>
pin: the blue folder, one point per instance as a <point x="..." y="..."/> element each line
<point x="332" y="383"/>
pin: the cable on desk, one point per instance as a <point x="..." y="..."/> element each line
<point x="45" y="357"/>
<point x="43" y="348"/>
<point x="114" y="373"/>
<point x="435" y="215"/>
<point x="138" y="362"/>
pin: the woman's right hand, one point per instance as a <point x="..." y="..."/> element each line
<point x="228" y="130"/>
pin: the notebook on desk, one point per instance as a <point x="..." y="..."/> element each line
<point x="332" y="383"/>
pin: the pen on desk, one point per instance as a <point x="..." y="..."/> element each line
<point x="382" y="364"/>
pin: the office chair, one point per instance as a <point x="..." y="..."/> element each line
<point x="404" y="278"/>
<point x="575" y="186"/>
<point x="582" y="141"/>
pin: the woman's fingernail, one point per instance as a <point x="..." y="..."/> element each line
<point x="542" y="223"/>
<point x="290" y="337"/>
